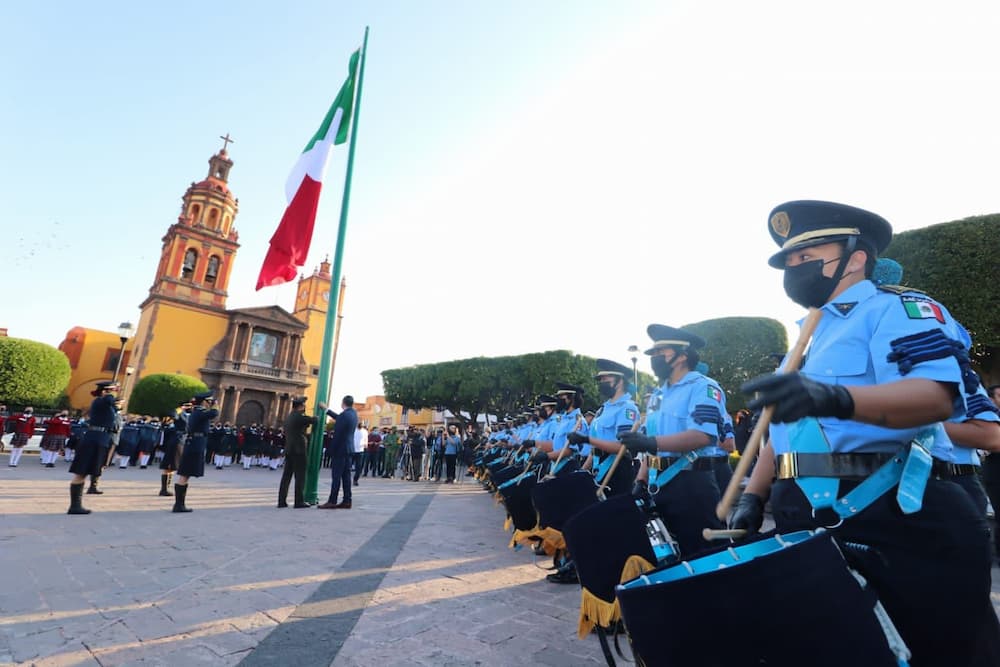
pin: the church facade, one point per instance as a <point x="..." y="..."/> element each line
<point x="254" y="359"/>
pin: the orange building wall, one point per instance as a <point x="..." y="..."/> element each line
<point x="87" y="350"/>
<point x="175" y="339"/>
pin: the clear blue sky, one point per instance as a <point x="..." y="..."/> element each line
<point x="588" y="166"/>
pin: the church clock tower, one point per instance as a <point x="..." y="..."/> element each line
<point x="313" y="301"/>
<point x="186" y="305"/>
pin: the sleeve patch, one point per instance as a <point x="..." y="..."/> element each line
<point x="929" y="345"/>
<point x="977" y="405"/>
<point x="630" y="414"/>
<point x="715" y="394"/>
<point x="707" y="414"/>
<point x="921" y="308"/>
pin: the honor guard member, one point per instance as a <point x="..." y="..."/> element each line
<point x="128" y="441"/>
<point x="682" y="425"/>
<point x="173" y="443"/>
<point x="617" y="415"/>
<point x="296" y="444"/>
<point x="719" y="452"/>
<point x="193" y="454"/>
<point x="149" y="438"/>
<point x="883" y="365"/>
<point x="93" y="447"/>
<point x="57" y="432"/>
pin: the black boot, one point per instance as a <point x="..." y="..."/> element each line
<point x="93" y="487"/>
<point x="76" y="499"/>
<point x="165" y="484"/>
<point x="180" y="492"/>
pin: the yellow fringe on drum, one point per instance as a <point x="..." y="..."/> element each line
<point x="506" y="524"/>
<point x="595" y="611"/>
<point x="497" y="498"/>
<point x="552" y="540"/>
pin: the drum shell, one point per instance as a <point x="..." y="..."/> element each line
<point x="517" y="500"/>
<point x="796" y="606"/>
<point x="505" y="474"/>
<point x="601" y="538"/>
<point x="559" y="498"/>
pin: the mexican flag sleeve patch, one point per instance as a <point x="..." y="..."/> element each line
<point x="630" y="414"/>
<point x="715" y="394"/>
<point x="919" y="308"/>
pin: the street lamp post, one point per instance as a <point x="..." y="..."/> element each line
<point x="124" y="333"/>
<point x="634" y="351"/>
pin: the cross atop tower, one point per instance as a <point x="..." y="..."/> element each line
<point x="226" y="141"/>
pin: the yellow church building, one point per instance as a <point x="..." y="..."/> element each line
<point x="256" y="360"/>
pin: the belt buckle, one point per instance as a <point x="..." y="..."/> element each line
<point x="654" y="462"/>
<point x="788" y="466"/>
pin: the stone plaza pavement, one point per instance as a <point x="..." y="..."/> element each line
<point x="416" y="574"/>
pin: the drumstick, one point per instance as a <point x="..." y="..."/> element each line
<point x="792" y="363"/>
<point x="614" y="464"/>
<point x="733" y="534"/>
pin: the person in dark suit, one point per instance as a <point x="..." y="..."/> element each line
<point x="296" y="424"/>
<point x="341" y="446"/>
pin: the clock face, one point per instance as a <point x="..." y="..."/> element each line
<point x="326" y="295"/>
<point x="303" y="294"/>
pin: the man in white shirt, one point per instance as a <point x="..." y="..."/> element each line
<point x="360" y="442"/>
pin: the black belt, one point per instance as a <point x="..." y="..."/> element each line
<point x="703" y="464"/>
<point x="945" y="469"/>
<point x="97" y="428"/>
<point x="799" y="464"/>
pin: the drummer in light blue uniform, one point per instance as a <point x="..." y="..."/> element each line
<point x="978" y="429"/>
<point x="618" y="414"/>
<point x="723" y="447"/>
<point x="683" y="421"/>
<point x="567" y="419"/>
<point x="544" y="427"/>
<point x="883" y="366"/>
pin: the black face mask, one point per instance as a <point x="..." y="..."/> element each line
<point x="606" y="389"/>
<point x="661" y="367"/>
<point x="806" y="285"/>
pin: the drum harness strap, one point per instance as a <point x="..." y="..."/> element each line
<point x="909" y="468"/>
<point x="660" y="478"/>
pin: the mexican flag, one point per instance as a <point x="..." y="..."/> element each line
<point x="290" y="244"/>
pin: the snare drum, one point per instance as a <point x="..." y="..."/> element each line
<point x="787" y="600"/>
<point x="602" y="539"/>
<point x="561" y="497"/>
<point x="516" y="494"/>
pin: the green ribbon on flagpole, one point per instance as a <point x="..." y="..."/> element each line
<point x="329" y="333"/>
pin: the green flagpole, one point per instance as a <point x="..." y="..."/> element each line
<point x="329" y="333"/>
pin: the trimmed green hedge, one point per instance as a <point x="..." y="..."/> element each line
<point x="31" y="373"/>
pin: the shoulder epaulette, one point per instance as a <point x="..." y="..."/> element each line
<point x="899" y="289"/>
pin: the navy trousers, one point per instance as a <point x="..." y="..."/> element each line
<point x="341" y="466"/>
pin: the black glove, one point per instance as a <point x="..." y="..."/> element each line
<point x="539" y="457"/>
<point x="748" y="513"/>
<point x="637" y="443"/>
<point x="577" y="438"/>
<point x="528" y="444"/>
<point x="795" y="396"/>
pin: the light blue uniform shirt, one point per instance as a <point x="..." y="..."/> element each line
<point x="694" y="402"/>
<point x="868" y="336"/>
<point x="452" y="444"/>
<point x="546" y="430"/>
<point x="566" y="424"/>
<point x="614" y="417"/>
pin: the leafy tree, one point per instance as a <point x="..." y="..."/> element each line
<point x="495" y="385"/>
<point x="737" y="350"/>
<point x="157" y="395"/>
<point x="31" y="373"/>
<point x="956" y="263"/>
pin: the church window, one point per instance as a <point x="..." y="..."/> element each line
<point x="190" y="261"/>
<point x="195" y="212"/>
<point x="213" y="218"/>
<point x="213" y="269"/>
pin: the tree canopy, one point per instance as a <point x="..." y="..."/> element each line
<point x="956" y="264"/>
<point x="31" y="373"/>
<point x="738" y="349"/>
<point x="158" y="395"/>
<point x="494" y="385"/>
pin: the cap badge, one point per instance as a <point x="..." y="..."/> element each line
<point x="781" y="224"/>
